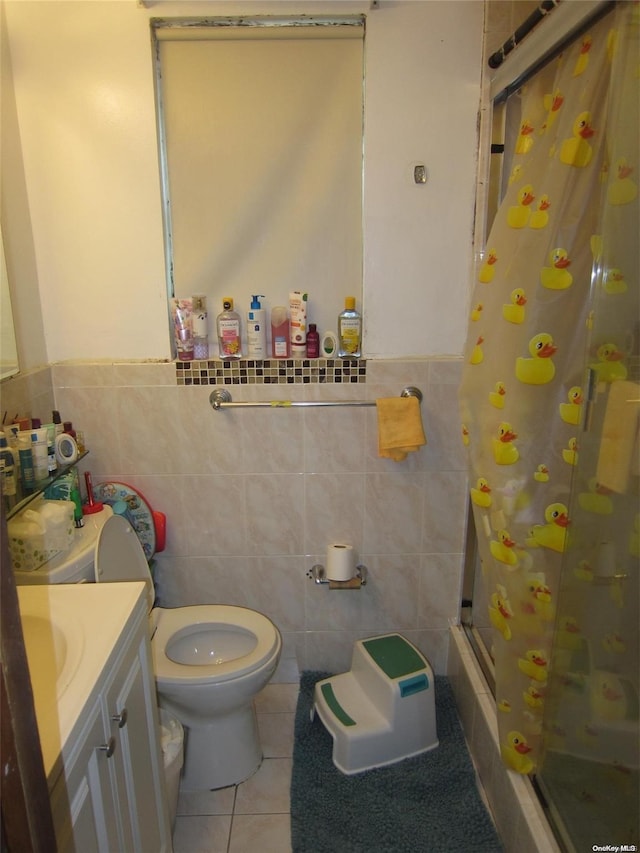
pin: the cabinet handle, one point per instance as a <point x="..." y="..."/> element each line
<point x="121" y="718"/>
<point x="109" y="747"/>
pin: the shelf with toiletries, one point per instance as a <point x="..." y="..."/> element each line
<point x="23" y="497"/>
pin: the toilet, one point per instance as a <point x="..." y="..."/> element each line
<point x="209" y="660"/>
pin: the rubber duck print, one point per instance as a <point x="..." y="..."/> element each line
<point x="540" y="218"/>
<point x="609" y="366"/>
<point x="552" y="104"/>
<point x="504" y="450"/>
<point x="622" y="190"/>
<point x="571" y="412"/>
<point x="476" y="312"/>
<point x="614" y="643"/>
<point x="502" y="549"/>
<point x="569" y="634"/>
<point x="518" y="215"/>
<point x="534" y="665"/>
<point x="570" y="452"/>
<point x="496" y="397"/>
<point x="608" y="696"/>
<point x="504" y="705"/>
<point x="488" y="270"/>
<point x="539" y="369"/>
<point x="500" y="612"/>
<point x="584" y="571"/>
<point x="597" y="499"/>
<point x="539" y="597"/>
<point x="466" y="438"/>
<point x="534" y="697"/>
<point x="516" y="174"/>
<point x="481" y="494"/>
<point x="557" y="276"/>
<point x="541" y="474"/>
<point x="553" y="533"/>
<point x="514" y="311"/>
<point x="583" y="57"/>
<point x="614" y="282"/>
<point x="515" y="753"/>
<point x="576" y="151"/>
<point x="525" y="138"/>
<point x="477" y="356"/>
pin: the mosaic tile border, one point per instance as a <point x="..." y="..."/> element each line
<point x="272" y="371"/>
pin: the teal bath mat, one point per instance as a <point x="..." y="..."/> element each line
<point x="426" y="804"/>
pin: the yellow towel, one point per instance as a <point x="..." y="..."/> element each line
<point x="399" y="427"/>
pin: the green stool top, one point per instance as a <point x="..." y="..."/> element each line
<point x="394" y="655"/>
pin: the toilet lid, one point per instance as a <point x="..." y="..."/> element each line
<point x="119" y="556"/>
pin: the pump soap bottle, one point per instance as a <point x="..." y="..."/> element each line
<point x="349" y="330"/>
<point x="199" y="320"/>
<point x="228" y="326"/>
<point x="256" y="329"/>
<point x="279" y="332"/>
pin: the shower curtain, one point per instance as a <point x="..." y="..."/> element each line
<point x="553" y="324"/>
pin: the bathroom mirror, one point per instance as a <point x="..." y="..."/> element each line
<point x="8" y="348"/>
<point x="260" y="125"/>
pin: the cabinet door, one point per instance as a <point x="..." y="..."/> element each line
<point x="83" y="800"/>
<point x="131" y="706"/>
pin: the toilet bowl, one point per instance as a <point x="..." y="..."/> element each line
<point x="209" y="660"/>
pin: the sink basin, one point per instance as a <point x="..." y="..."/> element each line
<point x="54" y="650"/>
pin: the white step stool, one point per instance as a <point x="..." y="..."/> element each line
<point x="383" y="709"/>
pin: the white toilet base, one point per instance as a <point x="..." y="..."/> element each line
<point x="223" y="753"/>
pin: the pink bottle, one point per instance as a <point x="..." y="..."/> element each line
<point x="279" y="333"/>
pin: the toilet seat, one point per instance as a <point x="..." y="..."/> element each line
<point x="180" y="622"/>
<point x="119" y="556"/>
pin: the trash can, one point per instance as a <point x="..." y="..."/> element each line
<point x="172" y="740"/>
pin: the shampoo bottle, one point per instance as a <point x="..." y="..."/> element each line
<point x="279" y="332"/>
<point x="256" y="329"/>
<point x="349" y="330"/>
<point x="313" y="341"/>
<point x="228" y="326"/>
<point x="199" y="322"/>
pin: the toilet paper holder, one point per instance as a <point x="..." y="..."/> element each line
<point x="318" y="574"/>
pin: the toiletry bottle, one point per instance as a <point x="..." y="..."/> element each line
<point x="27" y="474"/>
<point x="57" y="421"/>
<point x="298" y="322"/>
<point x="7" y="473"/>
<point x="279" y="332"/>
<point x="228" y="325"/>
<point x="349" y="330"/>
<point x="256" y="329"/>
<point x="313" y="341"/>
<point x="199" y="321"/>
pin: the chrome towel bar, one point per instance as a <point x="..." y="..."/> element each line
<point x="220" y="398"/>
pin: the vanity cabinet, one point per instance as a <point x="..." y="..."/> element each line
<point x="110" y="795"/>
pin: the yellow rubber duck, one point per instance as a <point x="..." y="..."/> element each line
<point x="622" y="190"/>
<point x="500" y="612"/>
<point x="504" y="705"/>
<point x="583" y="57"/>
<point x="540" y="218"/>
<point x="466" y="438"/>
<point x="518" y="215"/>
<point x="487" y="270"/>
<point x="597" y="499"/>
<point x="571" y="412"/>
<point x="557" y="276"/>
<point x="570" y="452"/>
<point x="541" y="474"/>
<point x="614" y="282"/>
<point x="477" y="356"/>
<point x="516" y="174"/>
<point x="525" y="138"/>
<point x="584" y="571"/>
<point x="576" y="151"/>
<point x="608" y="696"/>
<point x="569" y="634"/>
<point x="502" y="548"/>
<point x="539" y="369"/>
<point x="504" y="451"/>
<point x="533" y="697"/>
<point x="553" y="534"/>
<point x="552" y="104"/>
<point x="614" y="643"/>
<point x="476" y="312"/>
<point x="609" y="366"/>
<point x="515" y="753"/>
<point x="540" y="598"/>
<point x="534" y="665"/>
<point x="496" y="397"/>
<point x="481" y="494"/>
<point x="514" y="311"/>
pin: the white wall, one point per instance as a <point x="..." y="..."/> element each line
<point x="84" y="109"/>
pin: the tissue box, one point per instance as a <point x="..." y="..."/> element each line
<point x="39" y="533"/>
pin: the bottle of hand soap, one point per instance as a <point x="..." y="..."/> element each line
<point x="228" y="326"/>
<point x="256" y="329"/>
<point x="349" y="330"/>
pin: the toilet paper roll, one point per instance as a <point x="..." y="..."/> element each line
<point x="340" y="562"/>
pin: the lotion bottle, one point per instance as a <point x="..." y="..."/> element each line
<point x="349" y="330"/>
<point x="279" y="332"/>
<point x="199" y="320"/>
<point x="228" y="326"/>
<point x="256" y="329"/>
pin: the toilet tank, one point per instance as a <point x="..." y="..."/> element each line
<point x="75" y="565"/>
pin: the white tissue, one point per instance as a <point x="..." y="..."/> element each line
<point x="340" y="562"/>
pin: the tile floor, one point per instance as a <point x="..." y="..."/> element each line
<point x="254" y="815"/>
